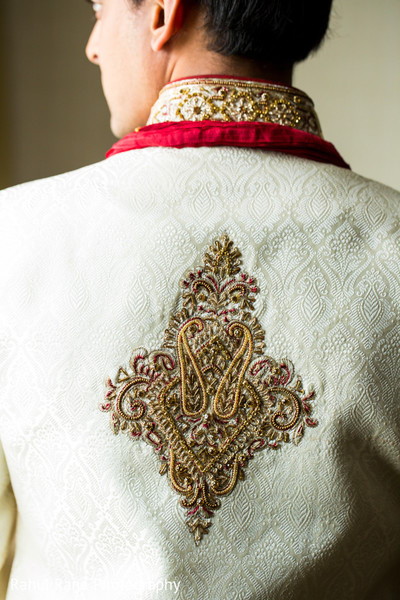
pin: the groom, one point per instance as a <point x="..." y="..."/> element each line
<point x="237" y="288"/>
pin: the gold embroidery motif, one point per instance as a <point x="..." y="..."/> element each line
<point x="235" y="100"/>
<point x="209" y="398"/>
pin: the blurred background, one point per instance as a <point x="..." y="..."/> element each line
<point x="53" y="117"/>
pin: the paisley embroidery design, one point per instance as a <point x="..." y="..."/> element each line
<point x="209" y="398"/>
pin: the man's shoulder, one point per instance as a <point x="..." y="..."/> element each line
<point x="160" y="171"/>
<point x="48" y="187"/>
<point x="368" y="191"/>
<point x="356" y="181"/>
<point x="41" y="215"/>
<point x="94" y="181"/>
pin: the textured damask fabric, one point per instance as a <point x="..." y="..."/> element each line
<point x="91" y="264"/>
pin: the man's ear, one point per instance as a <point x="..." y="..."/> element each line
<point x="167" y="20"/>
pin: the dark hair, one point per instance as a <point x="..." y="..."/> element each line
<point x="268" y="31"/>
<point x="280" y="32"/>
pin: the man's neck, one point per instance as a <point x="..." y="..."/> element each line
<point x="213" y="64"/>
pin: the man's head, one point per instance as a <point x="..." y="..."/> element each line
<point x="140" y="45"/>
<point x="280" y="32"/>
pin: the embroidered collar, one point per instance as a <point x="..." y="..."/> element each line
<point x="233" y="100"/>
<point x="227" y="111"/>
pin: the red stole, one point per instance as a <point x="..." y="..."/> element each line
<point x="267" y="136"/>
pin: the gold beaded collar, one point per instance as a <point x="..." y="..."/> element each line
<point x="224" y="99"/>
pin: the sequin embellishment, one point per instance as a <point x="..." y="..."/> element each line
<point x="228" y="100"/>
<point x="209" y="398"/>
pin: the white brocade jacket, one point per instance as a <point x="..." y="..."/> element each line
<point x="91" y="264"/>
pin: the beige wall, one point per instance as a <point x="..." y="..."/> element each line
<point x="355" y="82"/>
<point x="5" y="163"/>
<point x="53" y="117"/>
<point x="57" y="117"/>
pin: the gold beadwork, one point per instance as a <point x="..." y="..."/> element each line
<point x="235" y="100"/>
<point x="209" y="398"/>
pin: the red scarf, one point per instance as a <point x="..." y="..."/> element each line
<point x="268" y="136"/>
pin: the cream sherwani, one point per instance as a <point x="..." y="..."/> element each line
<point x="91" y="264"/>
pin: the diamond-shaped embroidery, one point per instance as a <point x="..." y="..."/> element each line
<point x="209" y="398"/>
